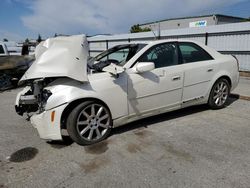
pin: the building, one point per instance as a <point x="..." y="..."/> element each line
<point x="195" y="21"/>
<point x="231" y="38"/>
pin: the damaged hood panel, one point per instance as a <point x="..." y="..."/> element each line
<point x="60" y="57"/>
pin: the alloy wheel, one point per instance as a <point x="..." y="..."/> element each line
<point x="220" y="94"/>
<point x="93" y="122"/>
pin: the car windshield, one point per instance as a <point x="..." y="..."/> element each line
<point x="119" y="55"/>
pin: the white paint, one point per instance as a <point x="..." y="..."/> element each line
<point x="60" y="57"/>
<point x="132" y="95"/>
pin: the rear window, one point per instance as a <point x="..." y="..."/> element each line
<point x="192" y="53"/>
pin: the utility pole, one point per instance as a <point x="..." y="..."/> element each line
<point x="159" y="30"/>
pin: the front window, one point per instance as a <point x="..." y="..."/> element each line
<point x="118" y="55"/>
<point x="162" y="55"/>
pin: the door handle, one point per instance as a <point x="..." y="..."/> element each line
<point x="210" y="70"/>
<point x="176" y="78"/>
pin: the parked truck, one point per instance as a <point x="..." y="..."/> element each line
<point x="12" y="67"/>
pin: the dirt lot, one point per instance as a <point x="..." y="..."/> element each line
<point x="194" y="147"/>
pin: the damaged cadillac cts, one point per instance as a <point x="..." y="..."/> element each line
<point x="68" y="93"/>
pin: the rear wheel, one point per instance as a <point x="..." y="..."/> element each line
<point x="89" y="123"/>
<point x="219" y="94"/>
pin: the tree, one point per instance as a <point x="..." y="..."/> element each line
<point x="55" y="35"/>
<point x="39" y="39"/>
<point x="27" y="41"/>
<point x="136" y="29"/>
<point x="5" y="40"/>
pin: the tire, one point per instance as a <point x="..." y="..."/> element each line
<point x="89" y="122"/>
<point x="219" y="94"/>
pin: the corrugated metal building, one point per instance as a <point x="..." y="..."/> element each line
<point x="227" y="38"/>
<point x="195" y="21"/>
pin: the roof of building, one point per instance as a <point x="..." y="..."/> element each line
<point x="202" y="16"/>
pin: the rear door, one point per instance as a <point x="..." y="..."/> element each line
<point x="199" y="68"/>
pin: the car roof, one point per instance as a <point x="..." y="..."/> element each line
<point x="152" y="42"/>
<point x="170" y="40"/>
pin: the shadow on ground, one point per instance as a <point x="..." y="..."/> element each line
<point x="165" y="117"/>
<point x="145" y="122"/>
<point x="59" y="144"/>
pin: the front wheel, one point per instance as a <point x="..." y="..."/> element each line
<point x="89" y="122"/>
<point x="219" y="94"/>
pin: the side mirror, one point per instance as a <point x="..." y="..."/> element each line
<point x="144" y="67"/>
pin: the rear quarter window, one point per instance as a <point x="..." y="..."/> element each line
<point x="191" y="52"/>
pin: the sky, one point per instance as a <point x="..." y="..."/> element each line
<point x="21" y="19"/>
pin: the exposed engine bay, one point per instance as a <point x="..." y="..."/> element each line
<point x="54" y="58"/>
<point x="35" y="98"/>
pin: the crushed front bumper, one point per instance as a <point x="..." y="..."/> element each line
<point x="49" y="127"/>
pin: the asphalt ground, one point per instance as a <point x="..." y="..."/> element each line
<point x="193" y="147"/>
<point x="243" y="88"/>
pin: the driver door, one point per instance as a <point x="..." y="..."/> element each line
<point x="160" y="89"/>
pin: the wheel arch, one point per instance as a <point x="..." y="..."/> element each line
<point x="221" y="74"/>
<point x="216" y="78"/>
<point x="226" y="77"/>
<point x="73" y="104"/>
<point x="210" y="101"/>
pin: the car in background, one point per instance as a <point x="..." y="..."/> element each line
<point x="70" y="94"/>
<point x="12" y="65"/>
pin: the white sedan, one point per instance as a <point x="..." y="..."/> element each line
<point x="69" y="93"/>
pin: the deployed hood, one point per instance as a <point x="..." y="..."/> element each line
<point x="60" y="57"/>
